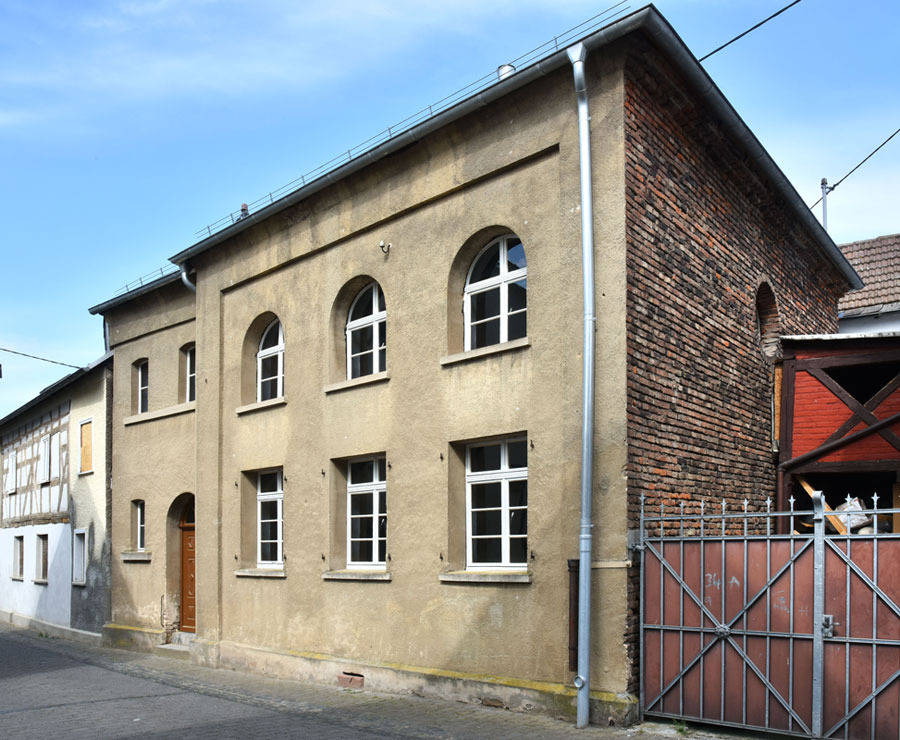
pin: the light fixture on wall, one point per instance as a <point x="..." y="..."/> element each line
<point x="385" y="248"/>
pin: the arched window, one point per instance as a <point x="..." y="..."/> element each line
<point x="367" y="333"/>
<point x="768" y="322"/>
<point x="270" y="363"/>
<point x="496" y="294"/>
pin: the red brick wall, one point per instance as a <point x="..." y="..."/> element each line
<point x="703" y="230"/>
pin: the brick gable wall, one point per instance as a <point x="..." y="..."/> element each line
<point x="703" y="230"/>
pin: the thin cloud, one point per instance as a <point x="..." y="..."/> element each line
<point x="160" y="48"/>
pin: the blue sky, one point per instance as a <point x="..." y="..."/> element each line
<point x="127" y="126"/>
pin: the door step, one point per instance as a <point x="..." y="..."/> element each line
<point x="181" y="652"/>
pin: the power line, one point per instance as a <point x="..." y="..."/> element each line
<point x="35" y="357"/>
<point x="728" y="43"/>
<point x="871" y="154"/>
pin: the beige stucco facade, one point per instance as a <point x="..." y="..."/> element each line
<point x="426" y="621"/>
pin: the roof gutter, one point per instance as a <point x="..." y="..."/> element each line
<point x="661" y="33"/>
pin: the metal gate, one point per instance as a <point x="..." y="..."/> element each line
<point x="796" y="634"/>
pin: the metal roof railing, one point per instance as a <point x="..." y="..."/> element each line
<point x="150" y="277"/>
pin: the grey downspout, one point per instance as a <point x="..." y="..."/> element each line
<point x="577" y="55"/>
<point x="185" y="279"/>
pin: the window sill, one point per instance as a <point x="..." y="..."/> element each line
<point x="85" y="472"/>
<point x="16" y="578"/>
<point x="260" y="405"/>
<point x="136" y="556"/>
<point x="79" y="584"/>
<point x="181" y="408"/>
<point x="260" y="573"/>
<point x="474" y="354"/>
<point x="356" y="575"/>
<point x="485" y="576"/>
<point x="354" y="382"/>
<point x="40" y="581"/>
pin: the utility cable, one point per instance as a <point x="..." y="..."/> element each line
<point x="832" y="187"/>
<point x="728" y="43"/>
<point x="35" y="357"/>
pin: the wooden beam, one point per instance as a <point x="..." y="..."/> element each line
<point x="833" y="518"/>
<point x="871" y="358"/>
<point x="860" y="412"/>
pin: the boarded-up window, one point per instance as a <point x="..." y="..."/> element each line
<point x="18" y="557"/>
<point x="44" y="459"/>
<point x="87" y="462"/>
<point x="79" y="556"/>
<point x="54" y="456"/>
<point x="42" y="558"/>
<point x="9" y="481"/>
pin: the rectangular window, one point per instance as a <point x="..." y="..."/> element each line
<point x="79" y="556"/>
<point x="18" y="557"/>
<point x="139" y="524"/>
<point x="9" y="481"/>
<point x="86" y="441"/>
<point x="497" y="505"/>
<point x="44" y="459"/>
<point x="41" y="558"/>
<point x="269" y="532"/>
<point x="190" y="359"/>
<point x="143" y="387"/>
<point x="367" y="513"/>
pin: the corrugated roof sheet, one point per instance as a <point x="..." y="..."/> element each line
<point x="877" y="261"/>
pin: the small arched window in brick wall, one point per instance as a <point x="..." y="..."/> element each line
<point x="768" y="323"/>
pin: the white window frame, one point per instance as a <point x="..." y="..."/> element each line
<point x="42" y="558"/>
<point x="143" y="387"/>
<point x="503" y="281"/>
<point x="278" y="497"/>
<point x="277" y="351"/>
<point x="43" y="462"/>
<point x="190" y="373"/>
<point x="10" y="481"/>
<point x="376" y="320"/>
<point x="377" y="488"/>
<point x="81" y="425"/>
<point x="18" y="559"/>
<point x="140" y="525"/>
<point x="504" y="476"/>
<point x="79" y="557"/>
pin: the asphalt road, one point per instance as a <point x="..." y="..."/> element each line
<point x="54" y="688"/>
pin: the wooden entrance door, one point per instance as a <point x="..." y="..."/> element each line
<point x="188" y="569"/>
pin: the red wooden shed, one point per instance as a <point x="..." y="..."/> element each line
<point x="840" y="420"/>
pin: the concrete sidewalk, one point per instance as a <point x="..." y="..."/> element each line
<point x="56" y="687"/>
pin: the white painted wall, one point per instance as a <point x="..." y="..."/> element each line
<point x="50" y="602"/>
<point x="872" y="324"/>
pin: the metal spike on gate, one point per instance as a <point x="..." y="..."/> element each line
<point x="791" y="501"/>
<point x="746" y="503"/>
<point x="702" y="507"/>
<point x="768" y="515"/>
<point x="723" y="517"/>
<point x="682" y="519"/>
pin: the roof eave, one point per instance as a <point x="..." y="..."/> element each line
<point x="56" y="387"/>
